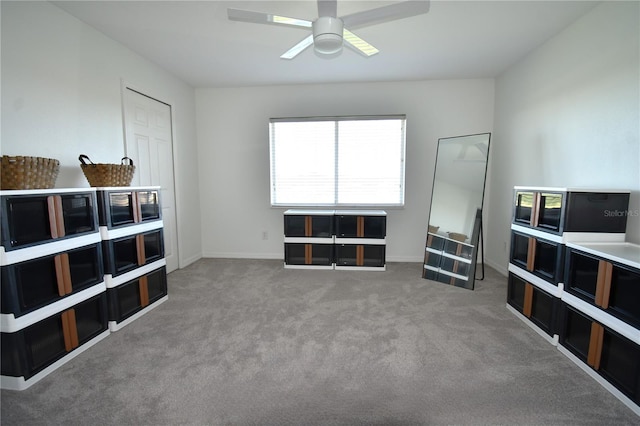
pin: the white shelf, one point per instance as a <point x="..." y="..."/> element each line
<point x="569" y="189"/>
<point x="622" y="252"/>
<point x="46" y="249"/>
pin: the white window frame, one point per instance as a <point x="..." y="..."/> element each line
<point x="397" y="149"/>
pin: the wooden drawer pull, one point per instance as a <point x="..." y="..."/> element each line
<point x="144" y="291"/>
<point x="595" y="345"/>
<point x="140" y="252"/>
<point x="70" y="330"/>
<point x="63" y="274"/>
<point x="528" y="300"/>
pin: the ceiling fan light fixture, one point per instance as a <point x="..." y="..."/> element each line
<point x="327" y="35"/>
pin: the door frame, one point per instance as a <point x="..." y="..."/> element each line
<point x="167" y="100"/>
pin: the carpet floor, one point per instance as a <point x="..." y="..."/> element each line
<point x="247" y="342"/>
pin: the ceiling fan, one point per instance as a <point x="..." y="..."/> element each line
<point x="330" y="32"/>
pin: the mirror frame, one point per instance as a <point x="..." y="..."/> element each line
<point x="441" y="250"/>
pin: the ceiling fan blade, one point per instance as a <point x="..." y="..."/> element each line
<point x="298" y="48"/>
<point x="266" y="18"/>
<point x="391" y="12"/>
<point x="358" y="44"/>
<point x="328" y="8"/>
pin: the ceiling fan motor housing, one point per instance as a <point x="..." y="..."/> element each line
<point x="327" y="35"/>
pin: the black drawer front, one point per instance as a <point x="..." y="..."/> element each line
<point x="538" y="306"/>
<point x="544" y="308"/>
<point x="353" y="226"/>
<point x="581" y="275"/>
<point x="559" y="212"/>
<point x="34" y="348"/>
<point x="575" y="332"/>
<point x="135" y="295"/>
<point x="317" y="226"/>
<point x="620" y="364"/>
<point x="308" y="254"/>
<point x="543" y="258"/>
<point x="619" y="294"/>
<point x="360" y="255"/>
<point x="128" y="253"/>
<point x="32" y="284"/>
<point x="617" y="360"/>
<point x="149" y="202"/>
<point x="119" y="208"/>
<point x="624" y="297"/>
<point x="515" y="291"/>
<point x="29" y="220"/>
<point x="596" y="212"/>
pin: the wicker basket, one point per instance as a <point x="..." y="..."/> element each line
<point x="458" y="237"/>
<point x="107" y="174"/>
<point x="29" y="172"/>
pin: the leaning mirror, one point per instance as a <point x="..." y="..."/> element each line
<point x="455" y="217"/>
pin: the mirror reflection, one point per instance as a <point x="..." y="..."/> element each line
<point x="456" y="209"/>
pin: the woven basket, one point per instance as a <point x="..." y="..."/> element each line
<point x="107" y="174"/>
<point x="458" y="237"/>
<point x="29" y="172"/>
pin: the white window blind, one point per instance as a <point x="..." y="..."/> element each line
<point x="337" y="161"/>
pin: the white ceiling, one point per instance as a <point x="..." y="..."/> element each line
<point x="195" y="41"/>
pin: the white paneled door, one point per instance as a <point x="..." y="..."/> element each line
<point x="149" y="144"/>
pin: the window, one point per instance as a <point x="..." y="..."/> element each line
<point x="337" y="161"/>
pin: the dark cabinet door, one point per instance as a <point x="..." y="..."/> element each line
<point x="597" y="212"/>
<point x="26" y="220"/>
<point x="120" y="209"/>
<point x="127" y="253"/>
<point x="523" y="207"/>
<point x="78" y="212"/>
<point x="32" y="349"/>
<point x="133" y="296"/>
<point x="613" y="356"/>
<point x="624" y="294"/>
<point x="549" y="214"/>
<point x="35" y="219"/>
<point x="612" y="287"/>
<point x="354" y="226"/>
<point x="32" y="284"/>
<point x="542" y="258"/>
<point x="308" y="254"/>
<point x="534" y="303"/>
<point x="294" y="226"/>
<point x="149" y="202"/>
<point x="360" y="255"/>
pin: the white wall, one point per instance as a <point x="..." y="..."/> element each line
<point x="233" y="146"/>
<point x="568" y="115"/>
<point x="61" y="97"/>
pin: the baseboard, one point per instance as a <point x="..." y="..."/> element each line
<point x="189" y="260"/>
<point x="500" y="268"/>
<point x="230" y="255"/>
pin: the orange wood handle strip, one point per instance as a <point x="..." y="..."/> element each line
<point x="308" y="254"/>
<point x="59" y="275"/>
<point x="57" y="200"/>
<point x="595" y="345"/>
<point x="606" y="290"/>
<point x="144" y="291"/>
<point x="360" y="226"/>
<point x="70" y="330"/>
<point x="51" y="208"/>
<point x="528" y="300"/>
<point x="535" y="210"/>
<point x="531" y="254"/>
<point x="600" y="281"/>
<point x="360" y="255"/>
<point x="142" y="258"/>
<point x="308" y="226"/>
<point x="66" y="273"/>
